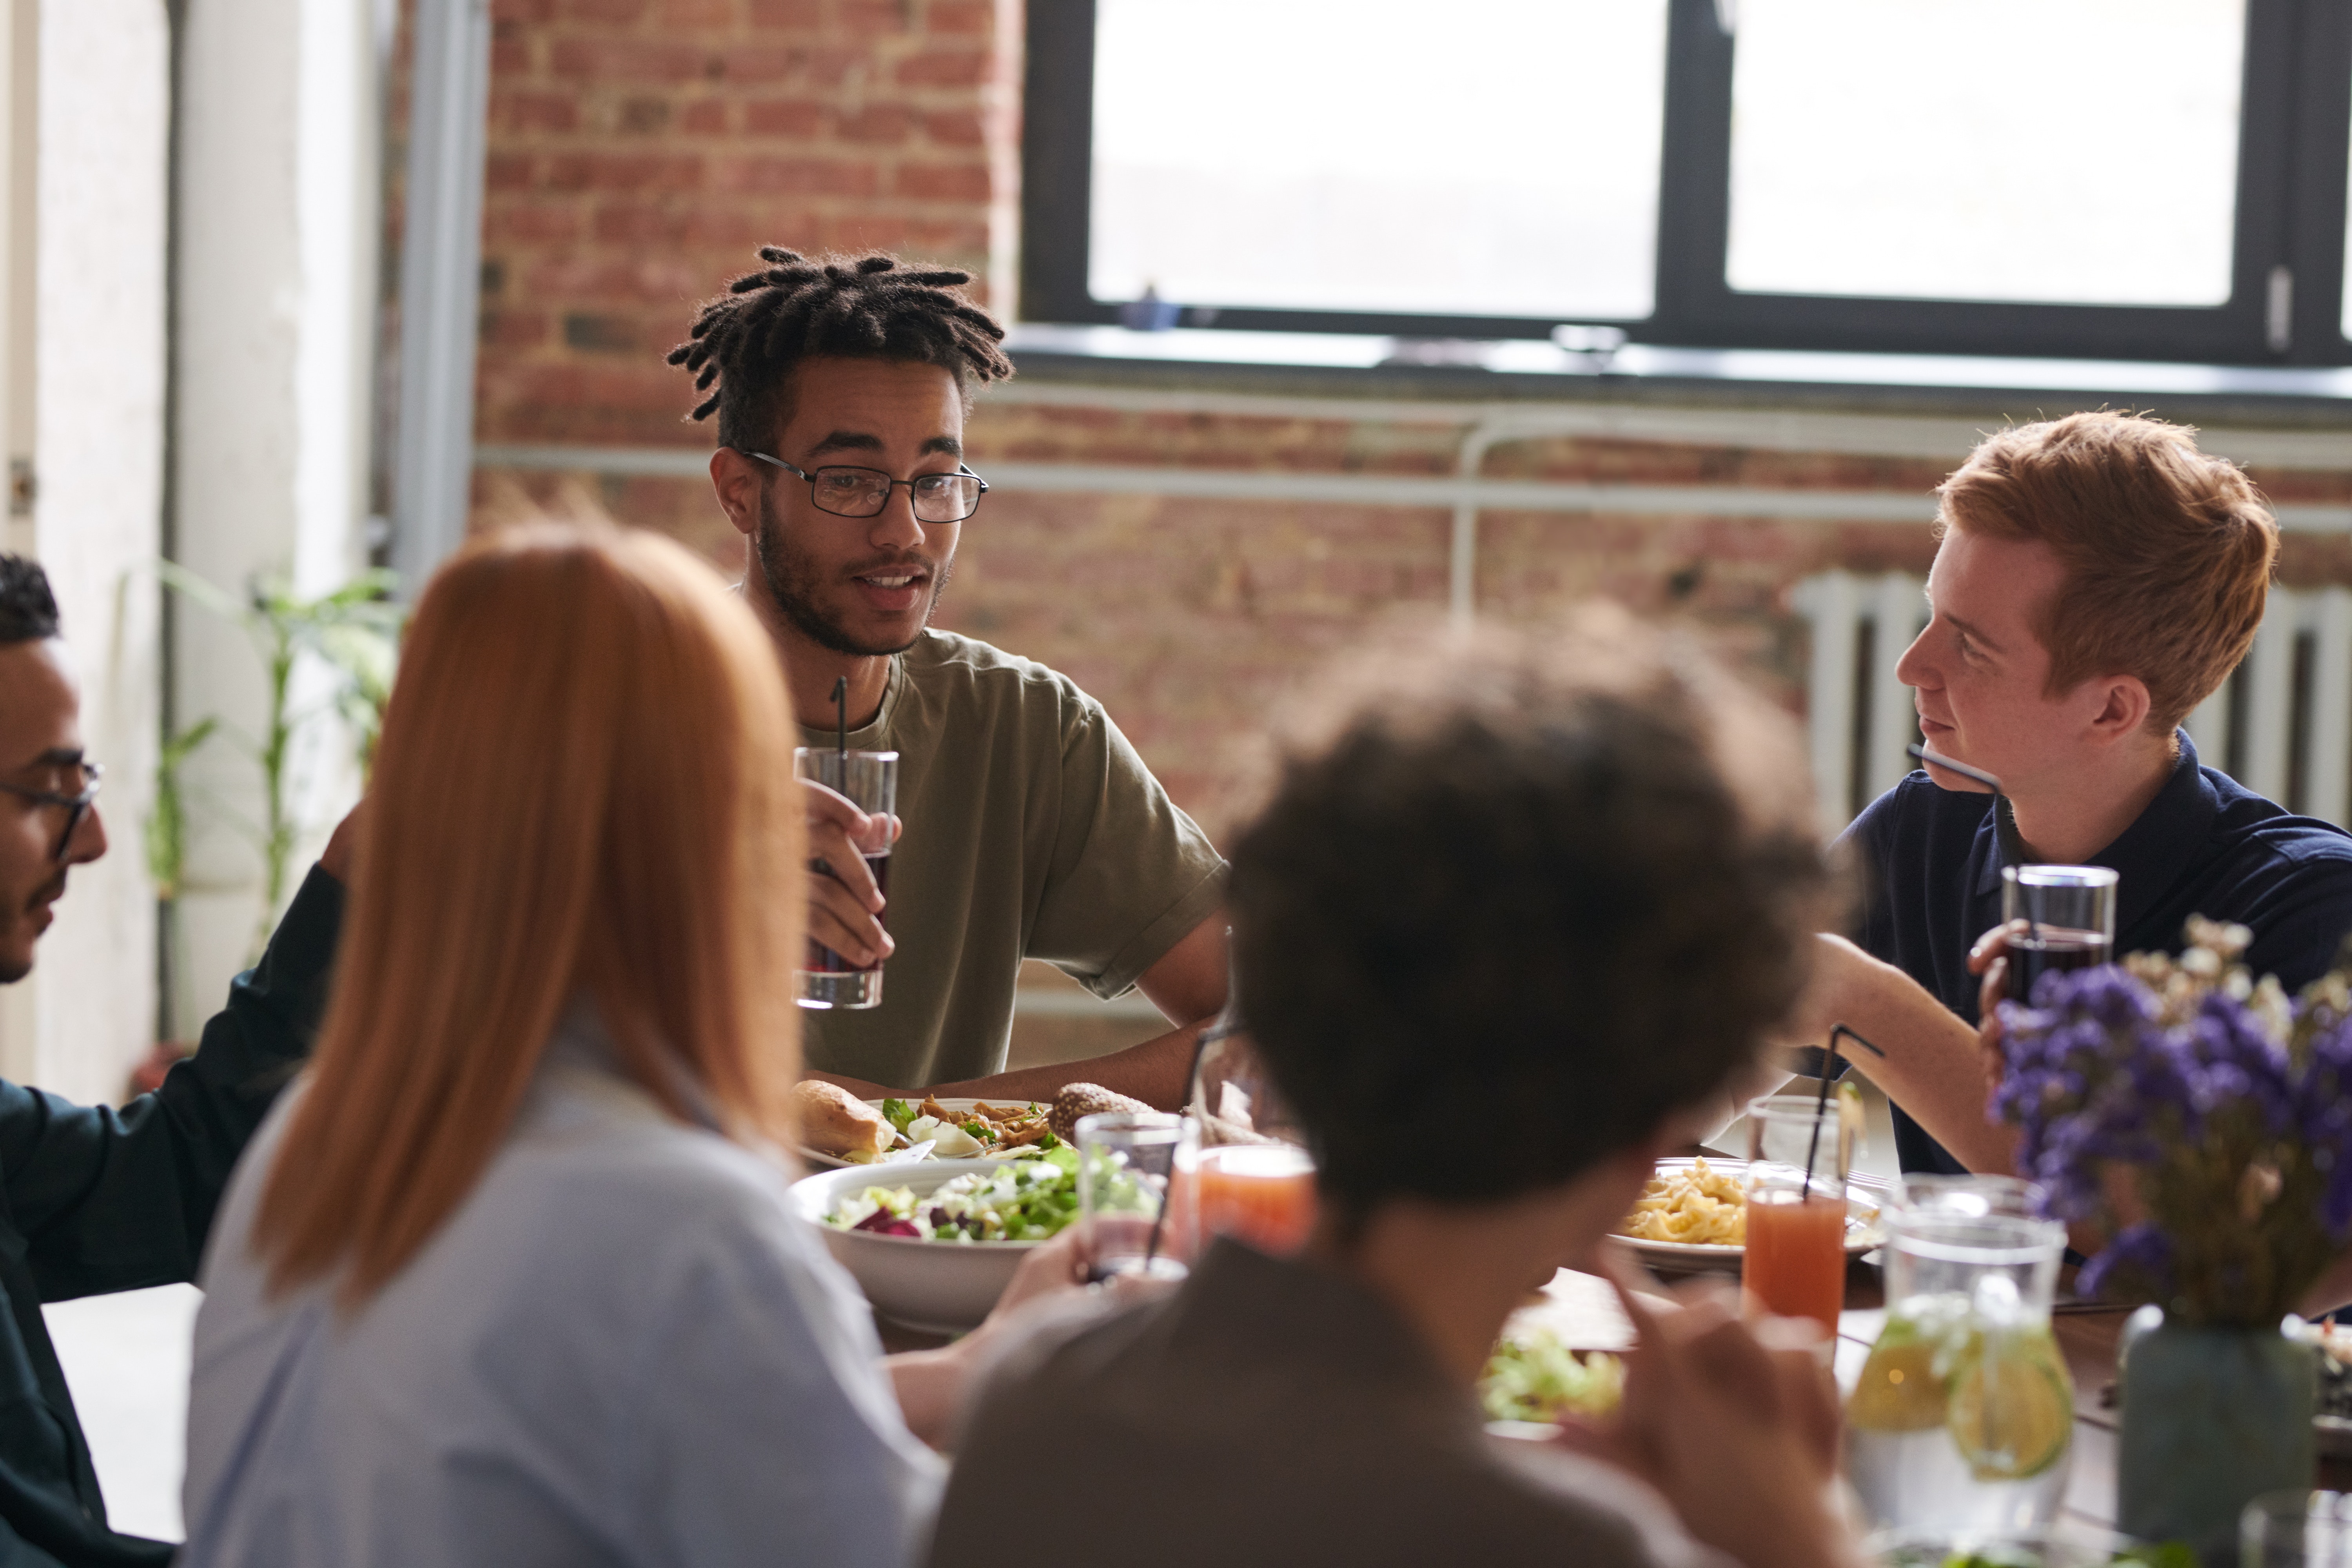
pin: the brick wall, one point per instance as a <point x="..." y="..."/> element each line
<point x="641" y="149"/>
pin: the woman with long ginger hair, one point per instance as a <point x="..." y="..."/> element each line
<point x="509" y="1276"/>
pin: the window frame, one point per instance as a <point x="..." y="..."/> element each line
<point x="2295" y="127"/>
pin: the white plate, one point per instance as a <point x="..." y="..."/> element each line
<point x="941" y="1287"/>
<point x="1865" y="1197"/>
<point x="816" y="1162"/>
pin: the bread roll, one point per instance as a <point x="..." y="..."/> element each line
<point x="836" y="1123"/>
<point x="1086" y="1100"/>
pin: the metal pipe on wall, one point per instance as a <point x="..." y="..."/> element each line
<point x="440" y="282"/>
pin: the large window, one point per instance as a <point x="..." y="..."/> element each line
<point x="2135" y="178"/>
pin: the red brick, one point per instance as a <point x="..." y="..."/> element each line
<point x="783" y="117"/>
<point x="513" y="110"/>
<point x="876" y="123"/>
<point x="954" y="127"/>
<point x="704" y="117"/>
<point x="519" y="12"/>
<point x="871" y="17"/>
<point x="506" y="171"/>
<point x="798" y="14"/>
<point x="623" y="170"/>
<point x="961" y="16"/>
<point x="605" y="11"/>
<point x="605" y="61"/>
<point x="942" y="182"/>
<point x="530" y="222"/>
<point x="944" y="67"/>
<point x="513" y="329"/>
<point x="798" y="176"/>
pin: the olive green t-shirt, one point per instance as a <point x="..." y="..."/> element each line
<point x="1032" y="830"/>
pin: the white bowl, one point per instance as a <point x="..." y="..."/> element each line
<point x="940" y="1287"/>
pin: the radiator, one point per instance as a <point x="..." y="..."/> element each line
<point x="2281" y="725"/>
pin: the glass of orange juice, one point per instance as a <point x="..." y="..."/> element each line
<point x="1798" y="1154"/>
<point x="1252" y="1177"/>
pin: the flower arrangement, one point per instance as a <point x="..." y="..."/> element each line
<point x="2197" y="1117"/>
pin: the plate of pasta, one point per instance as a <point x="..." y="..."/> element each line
<point x="1692" y="1214"/>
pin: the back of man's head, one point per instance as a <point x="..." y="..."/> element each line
<point x="2168" y="552"/>
<point x="28" y="611"/>
<point x="1516" y="901"/>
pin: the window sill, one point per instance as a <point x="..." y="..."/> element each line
<point x="1522" y="369"/>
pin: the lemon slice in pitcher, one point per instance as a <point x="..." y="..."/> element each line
<point x="1898" y="1390"/>
<point x="2012" y="1405"/>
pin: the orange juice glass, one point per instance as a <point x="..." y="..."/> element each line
<point x="1795" y="1265"/>
<point x="1263" y="1193"/>
<point x="1799" y="1149"/>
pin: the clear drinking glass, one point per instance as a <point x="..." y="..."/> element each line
<point x="2296" y="1529"/>
<point x="1126" y="1162"/>
<point x="1252" y="1178"/>
<point x="1800" y="1147"/>
<point x="2068" y="915"/>
<point x="869" y="779"/>
<point x="1961" y="1425"/>
<point x="1969" y="1197"/>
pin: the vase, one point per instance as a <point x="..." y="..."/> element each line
<point x="2212" y="1418"/>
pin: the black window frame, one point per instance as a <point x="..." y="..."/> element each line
<point x="2295" y="126"/>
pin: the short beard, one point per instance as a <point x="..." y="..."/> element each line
<point x="790" y="588"/>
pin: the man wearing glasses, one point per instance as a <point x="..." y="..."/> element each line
<point x="1031" y="828"/>
<point x="99" y="1200"/>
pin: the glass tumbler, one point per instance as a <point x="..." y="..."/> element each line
<point x="2060" y="918"/>
<point x="1126" y="1163"/>
<point x="2296" y="1529"/>
<point x="870" y="780"/>
<point x="1799" y="1149"/>
<point x="1253" y="1179"/>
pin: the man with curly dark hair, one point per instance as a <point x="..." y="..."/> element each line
<point x="1515" y="915"/>
<point x="95" y="1199"/>
<point x="1031" y="827"/>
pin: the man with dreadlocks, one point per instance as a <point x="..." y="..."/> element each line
<point x="95" y="1199"/>
<point x="1031" y="828"/>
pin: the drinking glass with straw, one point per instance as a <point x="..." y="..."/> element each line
<point x="1798" y="1152"/>
<point x="870" y="780"/>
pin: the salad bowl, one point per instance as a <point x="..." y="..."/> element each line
<point x="937" y="1287"/>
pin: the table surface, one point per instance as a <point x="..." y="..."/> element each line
<point x="2088" y="1339"/>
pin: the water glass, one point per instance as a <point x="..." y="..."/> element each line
<point x="1799" y="1149"/>
<point x="870" y="780"/>
<point x="1126" y="1163"/>
<point x="2060" y="918"/>
<point x="1969" y="1197"/>
<point x="2296" y="1529"/>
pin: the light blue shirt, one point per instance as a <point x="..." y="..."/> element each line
<point x="620" y="1349"/>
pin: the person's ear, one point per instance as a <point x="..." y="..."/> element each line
<point x="2122" y="708"/>
<point x="737" y="480"/>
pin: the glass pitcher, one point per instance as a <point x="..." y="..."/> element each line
<point x="1962" y="1422"/>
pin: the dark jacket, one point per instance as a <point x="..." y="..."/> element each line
<point x="93" y="1200"/>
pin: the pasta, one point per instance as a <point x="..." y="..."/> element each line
<point x="1697" y="1204"/>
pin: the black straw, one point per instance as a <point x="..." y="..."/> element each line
<point x="1822" y="1104"/>
<point x="840" y="724"/>
<point x="2008" y="849"/>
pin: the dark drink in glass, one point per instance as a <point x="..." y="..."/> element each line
<point x="2037" y="951"/>
<point x="2059" y="918"/>
<point x="822" y="960"/>
<point x="868" y="781"/>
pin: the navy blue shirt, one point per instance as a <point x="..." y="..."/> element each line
<point x="2205" y="846"/>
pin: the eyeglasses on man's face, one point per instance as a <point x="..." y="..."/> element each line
<point x="863" y="492"/>
<point x="81" y="792"/>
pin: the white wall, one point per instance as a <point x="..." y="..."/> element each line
<point x="276" y="287"/>
<point x="97" y="385"/>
